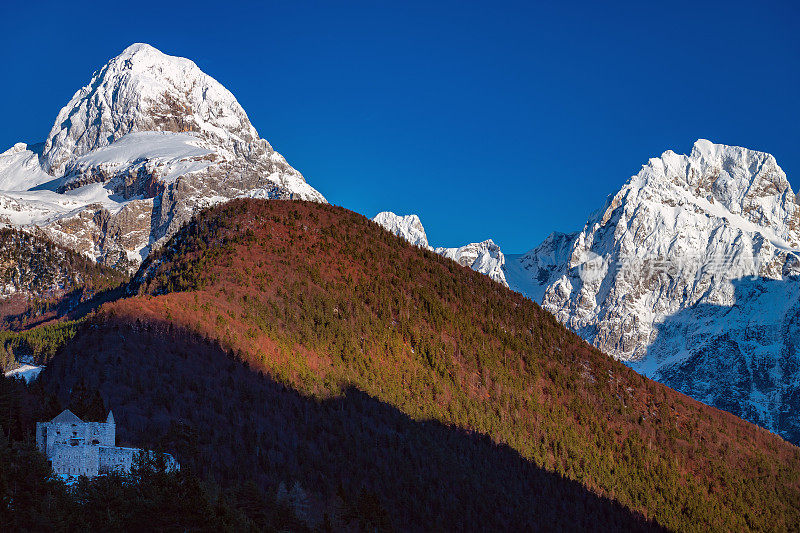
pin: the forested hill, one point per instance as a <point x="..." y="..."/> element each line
<point x="41" y="280"/>
<point x="301" y="345"/>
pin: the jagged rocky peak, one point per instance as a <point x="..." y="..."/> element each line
<point x="409" y="227"/>
<point x="134" y="154"/>
<point x="684" y="241"/>
<point x="530" y="273"/>
<point x="676" y="233"/>
<point x="742" y="182"/>
<point x="484" y="257"/>
<point x="143" y="89"/>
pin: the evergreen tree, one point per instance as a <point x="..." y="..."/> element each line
<point x="87" y="403"/>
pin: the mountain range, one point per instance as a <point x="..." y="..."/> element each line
<point x="689" y="274"/>
<point x="299" y="343"/>
<point x="484" y="257"/>
<point x="393" y="385"/>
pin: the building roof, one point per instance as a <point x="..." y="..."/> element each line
<point x="67" y="417"/>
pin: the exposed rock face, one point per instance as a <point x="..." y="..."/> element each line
<point x="688" y="273"/>
<point x="33" y="270"/>
<point x="409" y="227"/>
<point x="135" y="153"/>
<point x="484" y="257"/>
<point x="742" y="358"/>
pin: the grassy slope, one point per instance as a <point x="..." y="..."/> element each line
<point x="322" y="299"/>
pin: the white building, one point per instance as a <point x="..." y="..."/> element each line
<point x="75" y="447"/>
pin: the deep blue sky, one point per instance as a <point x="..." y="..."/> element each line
<point x="488" y="119"/>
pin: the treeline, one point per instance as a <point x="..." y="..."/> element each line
<point x="147" y="499"/>
<point x="34" y="263"/>
<point x="38" y="345"/>
<point x="43" y="280"/>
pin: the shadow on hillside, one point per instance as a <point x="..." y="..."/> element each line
<point x="225" y="420"/>
<point x="53" y="185"/>
<point x="732" y="357"/>
<point x="73" y="305"/>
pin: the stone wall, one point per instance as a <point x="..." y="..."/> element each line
<point x="49" y="434"/>
<point x="75" y="460"/>
<point x="113" y="459"/>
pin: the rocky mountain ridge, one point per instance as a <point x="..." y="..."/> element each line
<point x="408" y="227"/>
<point x="689" y="273"/>
<point x="484" y="257"/>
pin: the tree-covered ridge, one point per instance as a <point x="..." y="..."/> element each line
<point x="347" y="462"/>
<point x="42" y="279"/>
<point x="321" y="298"/>
<point x="36" y="345"/>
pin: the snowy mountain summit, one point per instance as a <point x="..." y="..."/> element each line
<point x="690" y="273"/>
<point x="150" y="140"/>
<point x="409" y="227"/>
<point x="484" y="257"/>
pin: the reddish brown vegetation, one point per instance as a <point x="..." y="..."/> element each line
<point x="322" y="299"/>
<point x="356" y="460"/>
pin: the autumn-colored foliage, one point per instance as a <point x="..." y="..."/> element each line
<point x="321" y="300"/>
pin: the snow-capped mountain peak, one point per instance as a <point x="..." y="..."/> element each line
<point x="654" y="275"/>
<point x="409" y="227"/>
<point x="484" y="257"/>
<point x="733" y="180"/>
<point x="133" y="154"/>
<point x="20" y="169"/>
<point x="143" y="89"/>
